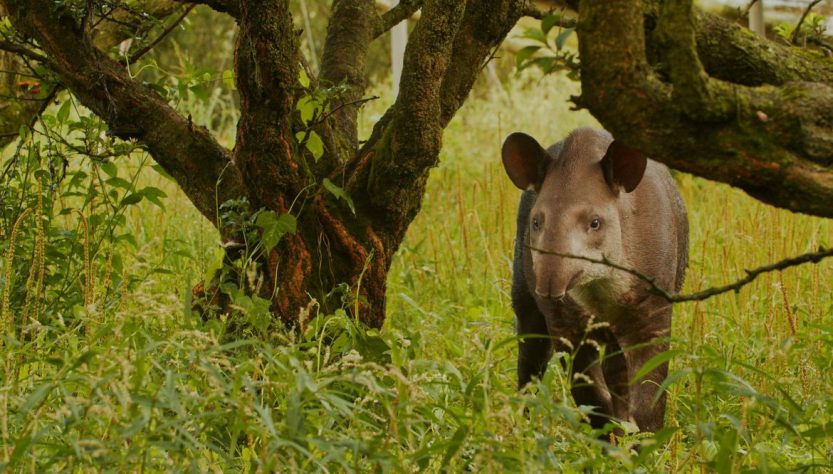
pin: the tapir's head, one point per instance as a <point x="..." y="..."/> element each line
<point x="580" y="205"/>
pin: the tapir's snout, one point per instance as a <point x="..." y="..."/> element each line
<point x="555" y="276"/>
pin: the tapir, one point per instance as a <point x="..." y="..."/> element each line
<point x="594" y="197"/>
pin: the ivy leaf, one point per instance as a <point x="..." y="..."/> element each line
<point x="274" y="227"/>
<point x="313" y="143"/>
<point x="339" y="193"/>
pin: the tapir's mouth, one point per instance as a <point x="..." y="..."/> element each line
<point x="573" y="282"/>
<point x="570" y="285"/>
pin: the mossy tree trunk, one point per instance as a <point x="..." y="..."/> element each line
<point x="385" y="176"/>
<point x="710" y="98"/>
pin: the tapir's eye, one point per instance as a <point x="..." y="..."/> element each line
<point x="536" y="224"/>
<point x="596" y="223"/>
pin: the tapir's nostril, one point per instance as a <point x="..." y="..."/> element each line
<point x="548" y="295"/>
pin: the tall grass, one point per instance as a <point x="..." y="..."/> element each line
<point x="152" y="387"/>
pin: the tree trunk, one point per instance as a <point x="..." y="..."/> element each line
<point x="354" y="203"/>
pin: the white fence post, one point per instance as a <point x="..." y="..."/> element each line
<point x="398" y="40"/>
<point x="756" y="18"/>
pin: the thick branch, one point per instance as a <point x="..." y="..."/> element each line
<point x="694" y="90"/>
<point x="484" y="27"/>
<point x="406" y="142"/>
<point x="267" y="67"/>
<point x="777" y="145"/>
<point x="731" y="53"/>
<point x="672" y="297"/>
<point x="189" y="153"/>
<point x="349" y="33"/>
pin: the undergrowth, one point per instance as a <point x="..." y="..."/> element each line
<point x="106" y="366"/>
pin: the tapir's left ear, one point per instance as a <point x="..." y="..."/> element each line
<point x="623" y="166"/>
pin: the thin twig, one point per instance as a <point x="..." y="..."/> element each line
<point x="794" y="36"/>
<point x="341" y="106"/>
<point x="141" y="52"/>
<point x="17" y="49"/>
<point x="751" y="275"/>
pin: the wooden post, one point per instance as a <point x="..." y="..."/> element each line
<point x="398" y="40"/>
<point x="756" y="18"/>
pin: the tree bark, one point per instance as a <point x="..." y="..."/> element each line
<point x="753" y="114"/>
<point x="121" y="25"/>
<point x="335" y="243"/>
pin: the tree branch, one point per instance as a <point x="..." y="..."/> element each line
<point x="729" y="53"/>
<point x="229" y="7"/>
<point x="349" y="33"/>
<point x="110" y="29"/>
<point x="797" y="30"/>
<point x="267" y="62"/>
<point x="777" y="144"/>
<point x="188" y="153"/>
<point x="694" y="90"/>
<point x="23" y="51"/>
<point x="401" y="12"/>
<point x="141" y="52"/>
<point x="671" y="297"/>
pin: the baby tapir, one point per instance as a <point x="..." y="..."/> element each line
<point x="592" y="196"/>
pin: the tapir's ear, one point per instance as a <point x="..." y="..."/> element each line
<point x="524" y="159"/>
<point x="623" y="166"/>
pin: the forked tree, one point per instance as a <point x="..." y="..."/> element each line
<point x="689" y="88"/>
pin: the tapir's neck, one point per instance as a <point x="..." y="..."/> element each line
<point x="604" y="297"/>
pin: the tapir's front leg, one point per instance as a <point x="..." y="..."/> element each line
<point x="644" y="340"/>
<point x="534" y="352"/>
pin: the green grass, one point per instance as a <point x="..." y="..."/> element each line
<point x="142" y="384"/>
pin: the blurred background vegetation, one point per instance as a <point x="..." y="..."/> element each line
<point x="106" y="367"/>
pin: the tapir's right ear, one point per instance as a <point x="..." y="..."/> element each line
<point x="524" y="159"/>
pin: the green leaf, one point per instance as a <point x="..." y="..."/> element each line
<point x="159" y="169"/>
<point x="562" y="37"/>
<point x="214" y="265"/>
<point x="303" y="78"/>
<point x="63" y="112"/>
<point x="338" y="193"/>
<point x="34" y="399"/>
<point x="525" y="53"/>
<point x="653" y="363"/>
<point x="536" y="35"/>
<point x="228" y="79"/>
<point x="117" y="182"/>
<point x="109" y="168"/>
<point x="549" y="21"/>
<point x="130" y="199"/>
<point x="307" y="106"/>
<point x="313" y="144"/>
<point x="274" y="228"/>
<point x="154" y="195"/>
